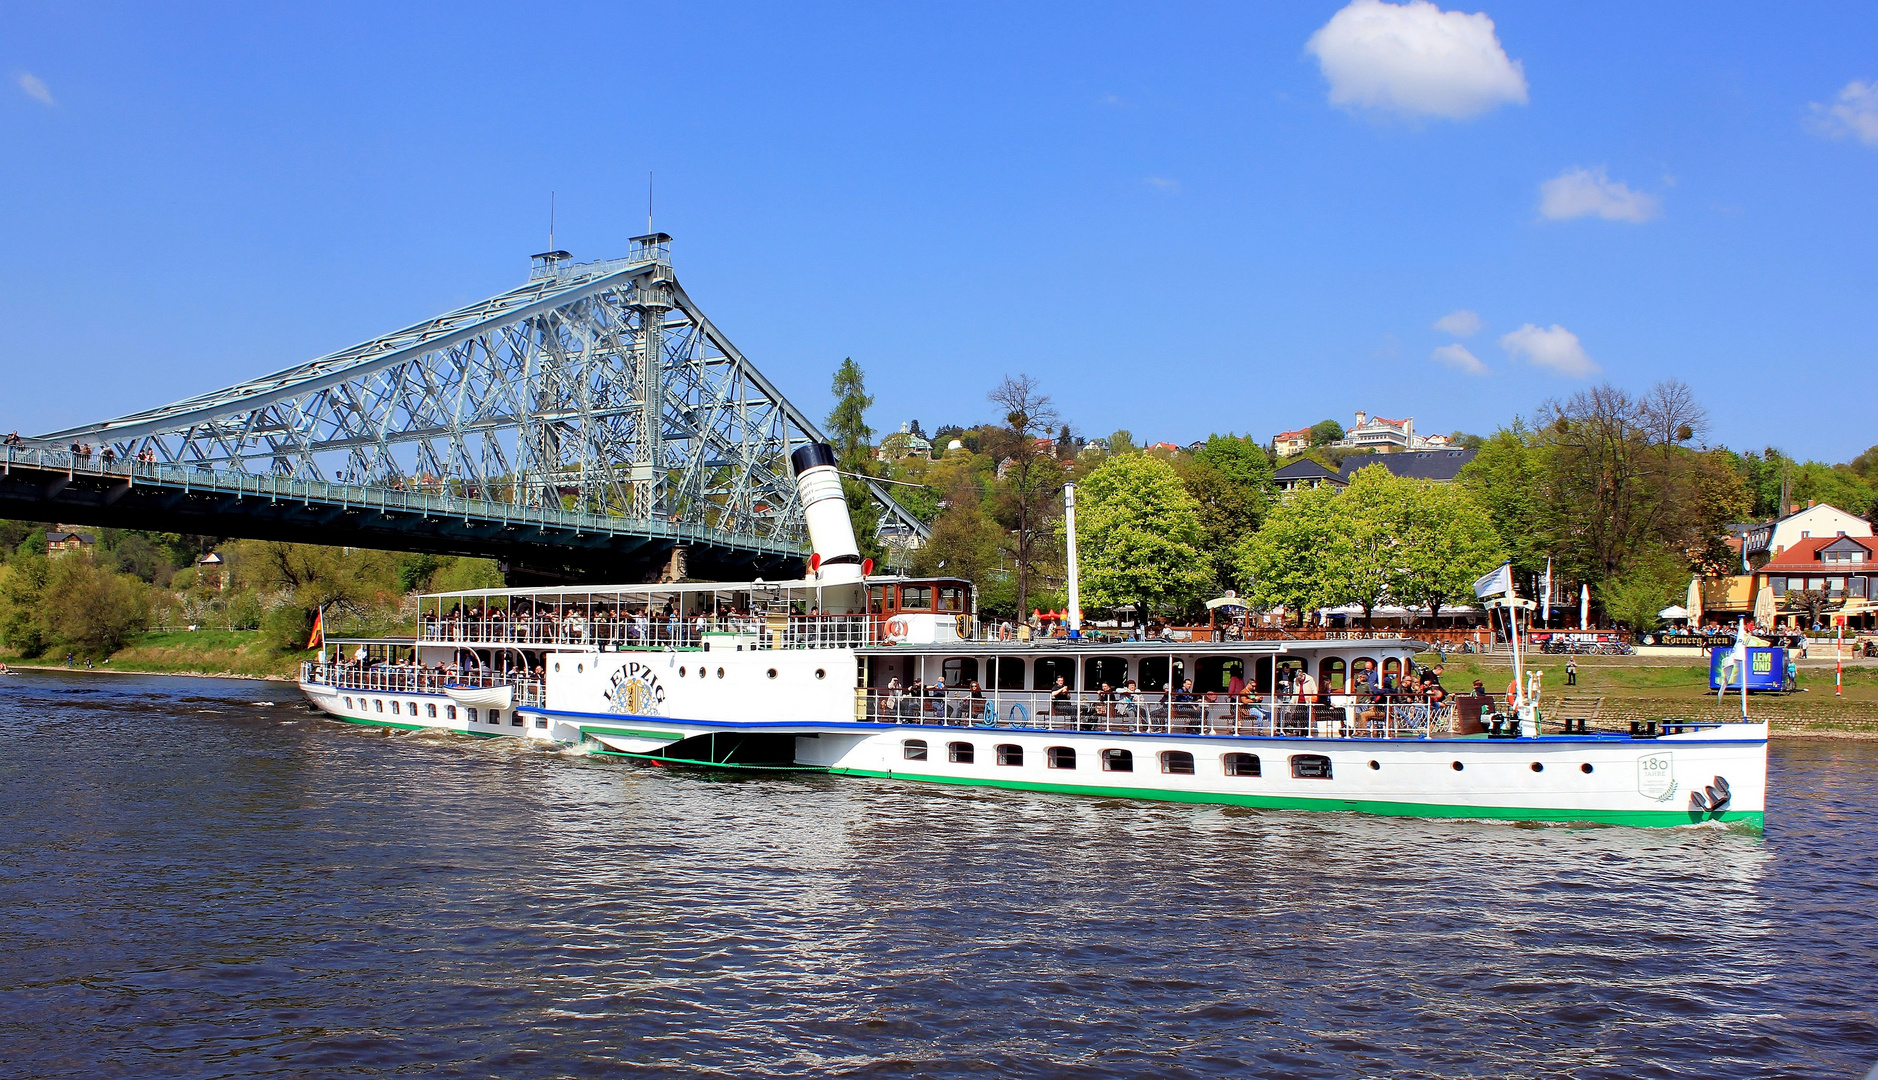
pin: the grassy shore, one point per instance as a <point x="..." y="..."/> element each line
<point x="1641" y="688"/>
<point x="187" y="652"/>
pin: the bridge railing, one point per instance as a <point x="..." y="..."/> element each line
<point x="277" y="487"/>
<point x="628" y="633"/>
<point x="410" y="679"/>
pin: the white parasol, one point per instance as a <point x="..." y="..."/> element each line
<point x="1764" y="608"/>
<point x="1694" y="603"/>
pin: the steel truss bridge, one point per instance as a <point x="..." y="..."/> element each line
<point x="586" y="425"/>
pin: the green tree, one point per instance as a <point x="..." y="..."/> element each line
<point x="1506" y="480"/>
<point x="89" y="607"/>
<point x="847" y="422"/>
<point x="1123" y="442"/>
<point x="464" y="574"/>
<point x="853" y="442"/>
<point x="1139" y="536"/>
<point x="1288" y="561"/>
<point x="1448" y="543"/>
<point x="1325" y="431"/>
<point x="1032" y="474"/>
<point x="1645" y="588"/>
<point x="1231" y="479"/>
<point x="1365" y="564"/>
<point x="22" y="584"/>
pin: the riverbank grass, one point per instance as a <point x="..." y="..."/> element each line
<point x="191" y="652"/>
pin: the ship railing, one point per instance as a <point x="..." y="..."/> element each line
<point x="626" y="633"/>
<point x="1152" y="713"/>
<point x="410" y="679"/>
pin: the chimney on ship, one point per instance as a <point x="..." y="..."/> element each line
<point x="831" y="531"/>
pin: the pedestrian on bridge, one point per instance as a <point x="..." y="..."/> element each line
<point x="1571" y="671"/>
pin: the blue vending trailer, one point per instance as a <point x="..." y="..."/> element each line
<point x="1767" y="669"/>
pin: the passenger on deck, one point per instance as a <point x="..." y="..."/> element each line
<point x="1184" y="706"/>
<point x="1127" y="704"/>
<point x="1062" y="701"/>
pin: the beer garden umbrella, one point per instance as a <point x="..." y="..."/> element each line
<point x="1694" y="603"/>
<point x="1764" y="608"/>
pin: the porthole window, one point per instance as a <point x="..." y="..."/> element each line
<point x="1458" y="766"/>
<point x="515" y="719"/>
<point x="557" y="665"/>
<point x="394" y="706"/>
<point x="430" y="710"/>
<point x="1010" y="754"/>
<point x="1114" y="760"/>
<point x="578" y="668"/>
<point x="772" y="673"/>
<point x="541" y="722"/>
<point x="1239" y="764"/>
<point x="449" y="712"/>
<point x="960" y="753"/>
<point x="681" y="672"/>
<point x="821" y="673"/>
<point x="471" y="712"/>
<point x="1374" y="764"/>
<point x="913" y="749"/>
<point x="1062" y="757"/>
<point x="1177" y="762"/>
<point x="720" y="673"/>
<point x="1585" y="768"/>
<point x="348" y="703"/>
<point x="495" y="716"/>
<point x="1310" y="767"/>
<point x="703" y="673"/>
<point x="1538" y="766"/>
<point x="378" y="704"/>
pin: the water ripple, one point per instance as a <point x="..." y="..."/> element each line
<point x="196" y="889"/>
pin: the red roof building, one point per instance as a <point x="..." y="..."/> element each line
<point x="1844" y="567"/>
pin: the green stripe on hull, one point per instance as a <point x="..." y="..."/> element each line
<point x="630" y="733"/>
<point x="1659" y="818"/>
<point x="413" y="727"/>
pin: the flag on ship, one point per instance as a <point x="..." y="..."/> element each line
<point x="1500" y="581"/>
<point x="317" y="638"/>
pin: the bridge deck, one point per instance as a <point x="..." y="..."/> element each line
<point x="38" y="484"/>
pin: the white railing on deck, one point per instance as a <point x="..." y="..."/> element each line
<point x="408" y="679"/>
<point x="1153" y="713"/>
<point x="627" y="632"/>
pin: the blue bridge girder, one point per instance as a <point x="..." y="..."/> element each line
<point x="580" y="426"/>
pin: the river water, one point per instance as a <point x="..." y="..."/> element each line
<point x="201" y="879"/>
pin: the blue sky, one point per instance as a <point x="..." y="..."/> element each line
<point x="1159" y="212"/>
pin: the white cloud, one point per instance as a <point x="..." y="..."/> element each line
<point x="1462" y="323"/>
<point x="1164" y="183"/>
<point x="1457" y="357"/>
<point x="1577" y="193"/>
<point x="1855" y="113"/>
<point x="1557" y="349"/>
<point x="1415" y="59"/>
<point x="35" y="87"/>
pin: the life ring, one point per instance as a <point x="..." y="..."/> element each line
<point x="897" y="628"/>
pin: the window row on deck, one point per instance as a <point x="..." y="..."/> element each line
<point x="1210" y="673"/>
<point x="1116" y="760"/>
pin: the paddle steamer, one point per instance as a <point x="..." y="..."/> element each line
<point x="851" y="673"/>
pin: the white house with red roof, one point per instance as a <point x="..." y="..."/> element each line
<point x="1769" y="540"/>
